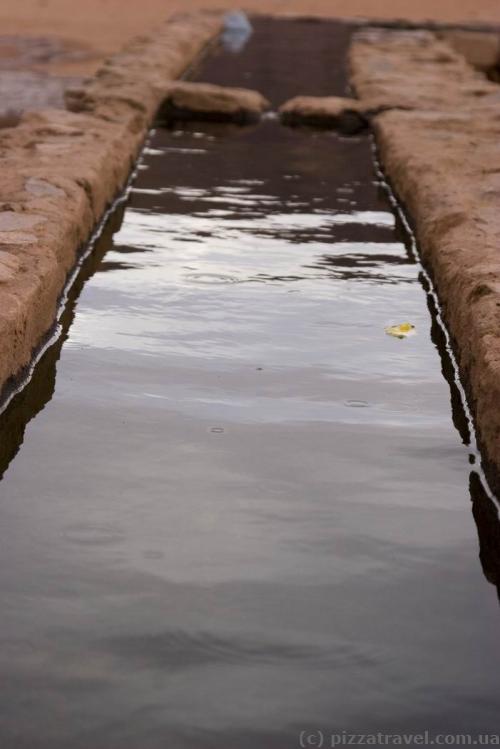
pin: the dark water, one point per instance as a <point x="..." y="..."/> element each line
<point x="243" y="511"/>
<point x="284" y="59"/>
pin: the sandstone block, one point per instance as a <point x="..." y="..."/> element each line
<point x="347" y="115"/>
<point x="206" y="101"/>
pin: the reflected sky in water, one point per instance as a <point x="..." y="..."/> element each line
<point x="242" y="509"/>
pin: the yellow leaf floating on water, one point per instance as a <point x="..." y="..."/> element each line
<point x="400" y="331"/>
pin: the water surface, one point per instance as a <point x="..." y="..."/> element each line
<point x="242" y="510"/>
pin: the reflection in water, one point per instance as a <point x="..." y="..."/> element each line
<point x="459" y="416"/>
<point x="485" y="513"/>
<point x="361" y="265"/>
<point x="38" y="392"/>
<point x="380" y="262"/>
<point x="267" y="526"/>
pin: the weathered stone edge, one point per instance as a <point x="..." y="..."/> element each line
<point x="443" y="163"/>
<point x="62" y="170"/>
<point x="467" y="284"/>
<point x="347" y="115"/>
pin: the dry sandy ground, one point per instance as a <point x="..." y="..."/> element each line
<point x="95" y="28"/>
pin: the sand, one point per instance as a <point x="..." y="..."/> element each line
<point x="94" y="29"/>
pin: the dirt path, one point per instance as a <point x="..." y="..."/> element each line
<point x="97" y="28"/>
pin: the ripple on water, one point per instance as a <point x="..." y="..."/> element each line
<point x="92" y="534"/>
<point x="178" y="650"/>
<point x="210" y="279"/>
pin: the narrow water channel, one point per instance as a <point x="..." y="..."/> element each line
<point x="232" y="508"/>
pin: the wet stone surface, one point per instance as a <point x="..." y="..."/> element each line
<point x="242" y="509"/>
